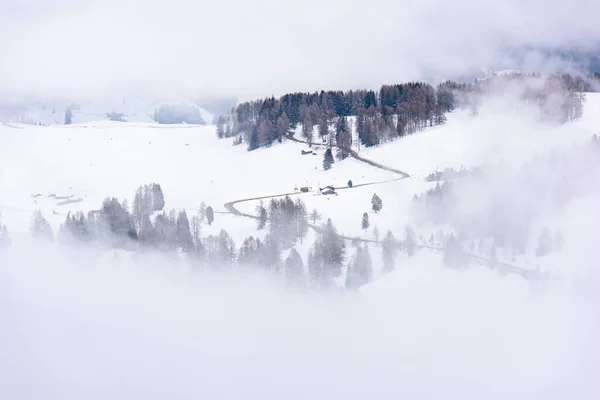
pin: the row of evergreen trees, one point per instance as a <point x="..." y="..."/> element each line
<point x="505" y="214"/>
<point x="148" y="226"/>
<point x="393" y="111"/>
<point x="557" y="97"/>
<point x="178" y="114"/>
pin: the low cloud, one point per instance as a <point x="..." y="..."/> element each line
<point x="263" y="48"/>
<point x="79" y="324"/>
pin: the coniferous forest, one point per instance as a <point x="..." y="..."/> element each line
<point x="394" y="110"/>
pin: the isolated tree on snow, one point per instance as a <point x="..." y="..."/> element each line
<point x="210" y="215"/>
<point x="376" y="203"/>
<point x="68" y="116"/>
<point x="314" y="216"/>
<point x="365" y="222"/>
<point x="328" y="159"/>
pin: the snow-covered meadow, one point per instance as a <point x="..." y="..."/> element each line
<point x="98" y="325"/>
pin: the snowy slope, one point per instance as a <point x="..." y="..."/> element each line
<point x="91" y="161"/>
<point x="93" y="324"/>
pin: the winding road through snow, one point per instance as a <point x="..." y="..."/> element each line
<point x="529" y="274"/>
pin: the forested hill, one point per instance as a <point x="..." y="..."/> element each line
<point x="394" y="110"/>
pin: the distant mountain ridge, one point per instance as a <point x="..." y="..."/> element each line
<point x="35" y="111"/>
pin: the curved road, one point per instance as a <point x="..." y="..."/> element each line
<point x="526" y="273"/>
<point x="353" y="154"/>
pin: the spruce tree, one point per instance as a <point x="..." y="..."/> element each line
<point x="68" y="116"/>
<point x="365" y="222"/>
<point x="360" y="270"/>
<point x="410" y="241"/>
<point x="40" y="228"/>
<point x="315" y="216"/>
<point x="210" y="215"/>
<point x="183" y="234"/>
<point x="388" y="251"/>
<point x="294" y="271"/>
<point x="376" y="203"/>
<point x="262" y="215"/>
<point x="328" y="159"/>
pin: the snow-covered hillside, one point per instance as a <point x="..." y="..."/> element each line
<point x="88" y="162"/>
<point x="109" y="324"/>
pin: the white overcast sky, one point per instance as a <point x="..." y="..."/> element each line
<point x="263" y="47"/>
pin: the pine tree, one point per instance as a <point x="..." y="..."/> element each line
<point x="360" y="270"/>
<point x="262" y="215"/>
<point x="328" y="159"/>
<point x="301" y="219"/>
<point x="376" y="203"/>
<point x="376" y="233"/>
<point x="158" y="199"/>
<point x="183" y="234"/>
<point x="315" y="216"/>
<point x="210" y="215"/>
<point x="195" y="228"/>
<point x="294" y="271"/>
<point x="282" y="126"/>
<point x="388" y="252"/>
<point x="365" y="222"/>
<point x="343" y="139"/>
<point x="410" y="242"/>
<point x="40" y="228"/>
<point x="4" y="237"/>
<point x="226" y="252"/>
<point x="250" y="252"/>
<point x="146" y="234"/>
<point x="454" y="255"/>
<point x="323" y="126"/>
<point x="202" y="211"/>
<point x="68" y="116"/>
<point x="544" y="243"/>
<point x="271" y="257"/>
<point x="334" y="250"/>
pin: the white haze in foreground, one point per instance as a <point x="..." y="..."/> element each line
<point x="76" y="324"/>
